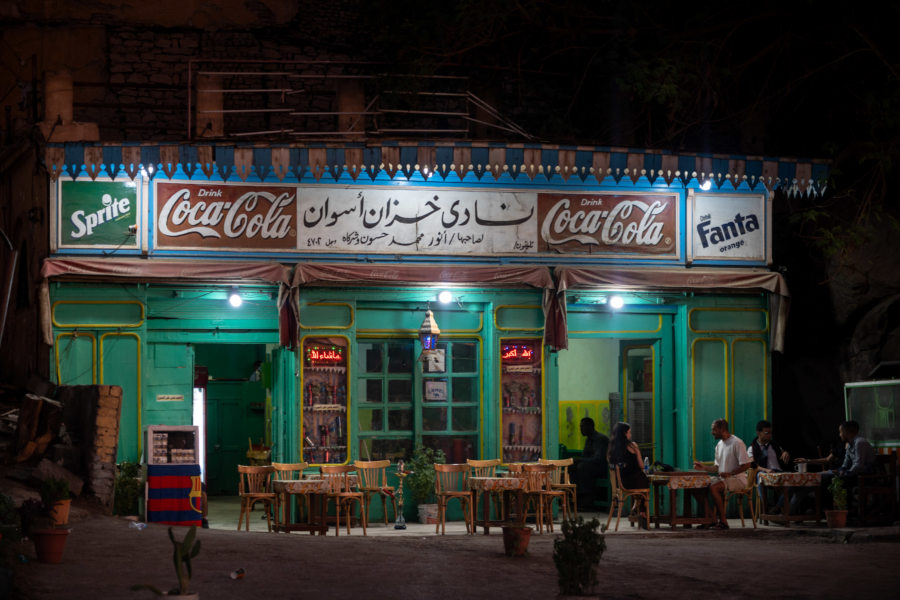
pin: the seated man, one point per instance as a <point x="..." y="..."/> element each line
<point x="859" y="458"/>
<point x="769" y="457"/>
<point x="591" y="465"/>
<point x="731" y="460"/>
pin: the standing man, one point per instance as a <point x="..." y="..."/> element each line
<point x="591" y="464"/>
<point x="731" y="460"/>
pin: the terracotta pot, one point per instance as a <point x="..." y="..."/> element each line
<point x="59" y="515"/>
<point x="515" y="540"/>
<point x="49" y="544"/>
<point x="836" y="518"/>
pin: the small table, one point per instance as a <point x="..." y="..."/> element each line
<point x="317" y="492"/>
<point x="784" y="480"/>
<point x="690" y="482"/>
<point x="485" y="485"/>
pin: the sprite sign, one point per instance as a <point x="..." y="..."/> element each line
<point x="93" y="213"/>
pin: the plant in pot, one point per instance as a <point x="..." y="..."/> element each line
<point x="838" y="517"/>
<point x="420" y="481"/>
<point x="9" y="520"/>
<point x="37" y="525"/>
<point x="129" y="489"/>
<point x="576" y="556"/>
<point x="182" y="554"/>
<point x="55" y="495"/>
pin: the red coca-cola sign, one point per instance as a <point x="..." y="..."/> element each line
<point x="608" y="223"/>
<point x="211" y="216"/>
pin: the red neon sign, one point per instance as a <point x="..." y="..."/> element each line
<point x="517" y="352"/>
<point x="329" y="355"/>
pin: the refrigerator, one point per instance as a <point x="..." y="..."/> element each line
<point x="174" y="490"/>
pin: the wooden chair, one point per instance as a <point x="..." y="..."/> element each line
<point x="287" y="471"/>
<point x="338" y="477"/>
<point x="451" y="481"/>
<point x="538" y="491"/>
<point x="620" y="494"/>
<point x="748" y="492"/>
<point x="880" y="484"/>
<point x="373" y="480"/>
<point x="255" y="485"/>
<point x="559" y="480"/>
<point x="487" y="468"/>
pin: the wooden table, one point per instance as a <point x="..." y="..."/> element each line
<point x="689" y="481"/>
<point x="317" y="492"/>
<point x="783" y="481"/>
<point x="486" y="485"/>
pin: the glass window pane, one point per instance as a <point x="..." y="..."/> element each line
<point x="464" y="357"/>
<point x="400" y="357"/>
<point x="456" y="449"/>
<point x="465" y="418"/>
<point x="434" y="419"/>
<point x="464" y="389"/>
<point x="399" y="390"/>
<point x="369" y="390"/>
<point x="370" y="360"/>
<point x="393" y="450"/>
<point x="370" y="419"/>
<point x="400" y="419"/>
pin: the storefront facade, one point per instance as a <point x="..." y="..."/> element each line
<point x="337" y="267"/>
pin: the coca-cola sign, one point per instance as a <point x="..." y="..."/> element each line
<point x="624" y="223"/>
<point x="225" y="217"/>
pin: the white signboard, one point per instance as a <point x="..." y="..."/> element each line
<point x="430" y="221"/>
<point x="729" y="227"/>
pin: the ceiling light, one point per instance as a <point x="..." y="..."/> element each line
<point x="234" y="297"/>
<point x="616" y="302"/>
<point x="445" y="297"/>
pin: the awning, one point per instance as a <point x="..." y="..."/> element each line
<point x="176" y="271"/>
<point x="430" y="274"/>
<point x="709" y="279"/>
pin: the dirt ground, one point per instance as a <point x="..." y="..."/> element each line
<point x="104" y="557"/>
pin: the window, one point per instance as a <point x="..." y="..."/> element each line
<point x="391" y="418"/>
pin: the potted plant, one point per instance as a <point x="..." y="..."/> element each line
<point x="420" y="481"/>
<point x="37" y="525"/>
<point x="129" y="489"/>
<point x="55" y="495"/>
<point x="838" y="517"/>
<point x="182" y="554"/>
<point x="576" y="556"/>
<point x="9" y="520"/>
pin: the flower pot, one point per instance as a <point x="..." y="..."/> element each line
<point x="836" y="518"/>
<point x="428" y="514"/>
<point x="59" y="514"/>
<point x="49" y="544"/>
<point x="515" y="540"/>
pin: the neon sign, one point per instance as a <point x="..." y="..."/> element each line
<point x="517" y="352"/>
<point x="332" y="355"/>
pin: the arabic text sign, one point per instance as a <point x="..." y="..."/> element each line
<point x="423" y="220"/>
<point x="728" y="227"/>
<point x="97" y="213"/>
<point x="609" y="223"/>
<point x="215" y="216"/>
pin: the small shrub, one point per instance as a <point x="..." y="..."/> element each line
<point x="53" y="490"/>
<point x="420" y="481"/>
<point x="34" y="515"/>
<point x="129" y="489"/>
<point x="838" y="493"/>
<point x="9" y="519"/>
<point x="182" y="554"/>
<point x="577" y="555"/>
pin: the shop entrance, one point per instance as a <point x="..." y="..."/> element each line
<point x="234" y="403"/>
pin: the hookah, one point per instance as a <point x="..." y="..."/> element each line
<point x="400" y="523"/>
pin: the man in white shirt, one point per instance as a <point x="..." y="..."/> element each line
<point x="731" y="460"/>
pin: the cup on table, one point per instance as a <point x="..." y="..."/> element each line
<point x="801" y="467"/>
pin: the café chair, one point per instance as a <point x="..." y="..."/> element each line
<point x="255" y="485"/>
<point x="620" y="494"/>
<point x="340" y="491"/>
<point x="882" y="484"/>
<point x="373" y="480"/>
<point x="559" y="480"/>
<point x="287" y="471"/>
<point x="538" y="491"/>
<point x="748" y="492"/>
<point x="451" y="481"/>
<point x="487" y="468"/>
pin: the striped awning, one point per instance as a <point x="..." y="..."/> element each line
<point x="435" y="161"/>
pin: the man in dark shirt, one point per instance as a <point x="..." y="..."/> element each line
<point x="591" y="465"/>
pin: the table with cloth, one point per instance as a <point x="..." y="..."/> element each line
<point x="783" y="481"/>
<point x="692" y="483"/>
<point x="316" y="490"/>
<point x="509" y="486"/>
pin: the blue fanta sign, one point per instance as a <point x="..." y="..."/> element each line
<point x="729" y="227"/>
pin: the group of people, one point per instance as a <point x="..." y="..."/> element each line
<point x="732" y="459"/>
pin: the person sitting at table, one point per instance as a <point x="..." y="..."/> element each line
<point x="591" y="465"/>
<point x="624" y="453"/>
<point x="859" y="458"/>
<point x="731" y="460"/>
<point x="768" y="457"/>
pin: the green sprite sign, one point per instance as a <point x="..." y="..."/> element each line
<point x="97" y="213"/>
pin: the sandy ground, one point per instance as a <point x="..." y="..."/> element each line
<point x="104" y="557"/>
